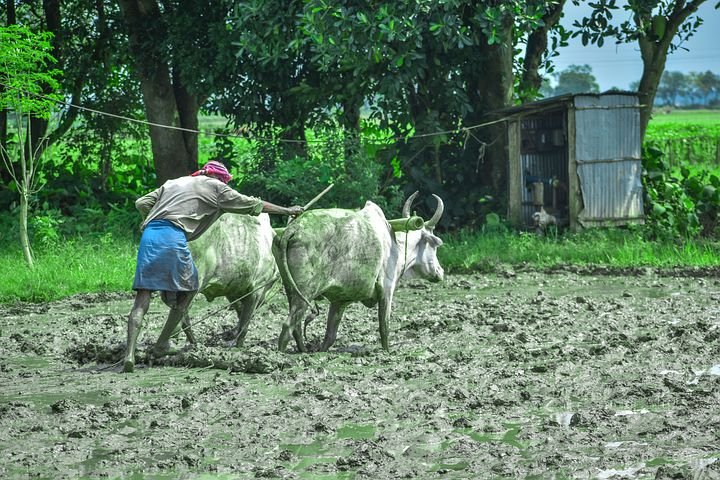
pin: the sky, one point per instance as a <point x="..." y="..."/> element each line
<point x="619" y="65"/>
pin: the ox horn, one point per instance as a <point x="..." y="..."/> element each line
<point x="430" y="224"/>
<point x="408" y="204"/>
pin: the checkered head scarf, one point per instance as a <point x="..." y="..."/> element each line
<point x="215" y="168"/>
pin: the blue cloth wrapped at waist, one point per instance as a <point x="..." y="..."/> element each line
<point x="164" y="261"/>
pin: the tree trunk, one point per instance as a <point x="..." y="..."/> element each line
<point x="351" y="126"/>
<point x="5" y="176"/>
<point x="166" y="104"/>
<point x="188" y="108"/>
<point x="24" y="237"/>
<point x="653" y="67"/>
<point x="531" y="80"/>
<point x="351" y="115"/>
<point x="654" y="53"/>
<point x="491" y="89"/>
<point x="23" y="180"/>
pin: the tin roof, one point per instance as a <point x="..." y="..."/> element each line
<point x="552" y="103"/>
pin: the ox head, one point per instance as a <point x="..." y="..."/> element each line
<point x="419" y="249"/>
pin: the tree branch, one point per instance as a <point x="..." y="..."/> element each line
<point x="536" y="48"/>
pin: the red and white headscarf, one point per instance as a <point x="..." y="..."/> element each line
<point x="215" y="168"/>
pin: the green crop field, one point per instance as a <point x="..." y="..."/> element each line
<point x="682" y="117"/>
<point x="686" y="136"/>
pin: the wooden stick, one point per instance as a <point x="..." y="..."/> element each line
<point x="318" y="196"/>
<point x="311" y="202"/>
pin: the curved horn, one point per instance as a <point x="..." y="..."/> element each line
<point x="408" y="204"/>
<point x="430" y="224"/>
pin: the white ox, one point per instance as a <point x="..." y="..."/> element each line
<point x="348" y="256"/>
<point x="234" y="260"/>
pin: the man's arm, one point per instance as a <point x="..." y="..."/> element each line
<point x="145" y="203"/>
<point x="235" y="202"/>
<point x="293" y="211"/>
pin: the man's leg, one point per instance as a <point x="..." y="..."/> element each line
<point x="139" y="309"/>
<point x="175" y="316"/>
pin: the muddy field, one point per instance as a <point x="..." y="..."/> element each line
<point x="510" y="375"/>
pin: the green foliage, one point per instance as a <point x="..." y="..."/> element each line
<point x="644" y="19"/>
<point x="685" y="143"/>
<point x="680" y="205"/>
<point x="50" y="227"/>
<point x="46" y="227"/>
<point x="409" y="67"/>
<point x="686" y="136"/>
<point x="329" y="157"/>
<point x="29" y="83"/>
<point x="494" y="225"/>
<point x="81" y="201"/>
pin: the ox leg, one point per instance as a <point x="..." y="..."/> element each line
<point x="298" y="309"/>
<point x="384" y="308"/>
<point x="333" y="321"/>
<point x="299" y="338"/>
<point x="178" y="313"/>
<point x="139" y="309"/>
<point x="244" y="310"/>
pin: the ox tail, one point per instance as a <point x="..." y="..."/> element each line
<point x="309" y="319"/>
<point x="283" y="249"/>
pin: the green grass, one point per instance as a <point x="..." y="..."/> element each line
<point x="675" y="117"/>
<point x="107" y="265"/>
<point x="472" y="251"/>
<point x="69" y="268"/>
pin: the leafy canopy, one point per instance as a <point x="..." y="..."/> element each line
<point x="26" y="73"/>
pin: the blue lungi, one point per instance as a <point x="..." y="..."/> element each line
<point x="164" y="261"/>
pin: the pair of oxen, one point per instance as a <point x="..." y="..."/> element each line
<point x="343" y="256"/>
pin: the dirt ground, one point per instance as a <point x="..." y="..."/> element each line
<point x="519" y="374"/>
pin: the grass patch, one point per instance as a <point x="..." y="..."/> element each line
<point x="74" y="266"/>
<point x="674" y="117"/>
<point x="476" y="251"/>
<point x="107" y="264"/>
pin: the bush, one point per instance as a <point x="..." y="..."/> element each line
<point x="293" y="175"/>
<point x="682" y="205"/>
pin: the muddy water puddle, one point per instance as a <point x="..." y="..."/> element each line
<point x="514" y="375"/>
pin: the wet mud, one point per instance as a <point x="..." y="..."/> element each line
<point x="517" y="374"/>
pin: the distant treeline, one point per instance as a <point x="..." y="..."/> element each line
<point x="677" y="89"/>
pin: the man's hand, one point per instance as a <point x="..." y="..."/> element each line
<point x="295" y="210"/>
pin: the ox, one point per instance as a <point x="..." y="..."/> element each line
<point x="234" y="260"/>
<point x="347" y="256"/>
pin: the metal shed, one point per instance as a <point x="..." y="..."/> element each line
<point x="578" y="157"/>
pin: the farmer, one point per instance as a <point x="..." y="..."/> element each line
<point x="177" y="212"/>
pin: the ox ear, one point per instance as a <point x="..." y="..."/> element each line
<point x="430" y="224"/>
<point x="408" y="204"/>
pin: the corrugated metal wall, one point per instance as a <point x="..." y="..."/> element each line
<point x="607" y="146"/>
<point x="543" y="160"/>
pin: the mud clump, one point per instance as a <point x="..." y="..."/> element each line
<point x="577" y="372"/>
<point x="251" y="360"/>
